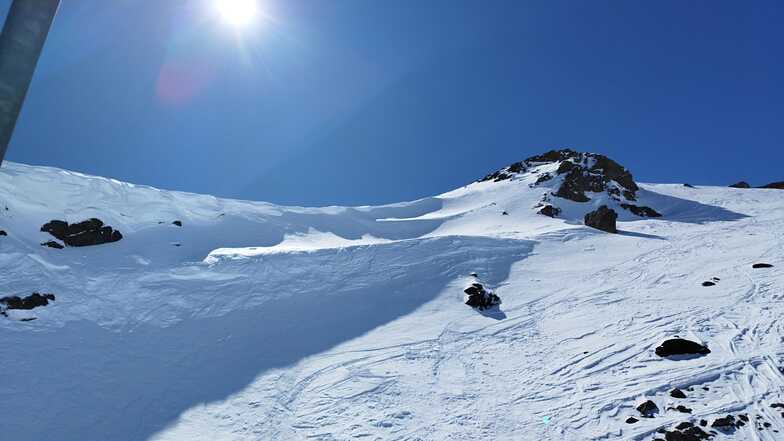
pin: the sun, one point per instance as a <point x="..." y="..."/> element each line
<point x="238" y="13"/>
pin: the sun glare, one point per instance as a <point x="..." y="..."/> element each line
<point x="238" y="13"/>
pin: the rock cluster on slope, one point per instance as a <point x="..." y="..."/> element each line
<point x="89" y="232"/>
<point x="578" y="177"/>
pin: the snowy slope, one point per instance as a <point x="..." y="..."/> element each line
<point x="259" y="322"/>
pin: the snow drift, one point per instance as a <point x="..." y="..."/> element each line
<point x="209" y="318"/>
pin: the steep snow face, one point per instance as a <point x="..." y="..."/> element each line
<point x="252" y="321"/>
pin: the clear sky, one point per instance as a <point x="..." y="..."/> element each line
<point x="363" y="102"/>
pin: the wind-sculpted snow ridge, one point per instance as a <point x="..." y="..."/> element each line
<point x="216" y="319"/>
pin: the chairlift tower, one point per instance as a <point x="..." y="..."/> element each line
<point x="21" y="43"/>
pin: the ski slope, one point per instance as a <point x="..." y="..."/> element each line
<point x="261" y="322"/>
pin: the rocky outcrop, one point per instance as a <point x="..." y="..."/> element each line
<point x="579" y="177"/>
<point x="776" y="185"/>
<point x="741" y="184"/>
<point x="3" y="233"/>
<point x="85" y="233"/>
<point x="34" y="300"/>
<point x="52" y="244"/>
<point x="602" y="218"/>
<point x="761" y="265"/>
<point x="480" y="298"/>
<point x="686" y="431"/>
<point x="177" y="223"/>
<point x="680" y="346"/>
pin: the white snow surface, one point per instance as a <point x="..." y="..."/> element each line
<point x="254" y="321"/>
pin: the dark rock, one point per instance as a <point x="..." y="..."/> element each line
<point x="602" y="218"/>
<point x="550" y="211"/>
<point x="689" y="186"/>
<point x="631" y="420"/>
<point x="480" y="298"/>
<point x="505" y="213"/>
<point x="85" y="233"/>
<point x="741" y="184"/>
<point x="474" y="275"/>
<point x="761" y="265"/>
<point x="683" y="409"/>
<point x="178" y="223"/>
<point x="703" y="423"/>
<point x="544" y="177"/>
<point x="52" y="244"/>
<point x="776" y="185"/>
<point x="777" y="405"/>
<point x="641" y="211"/>
<point x="766" y="424"/>
<point x="680" y="346"/>
<point x="726" y="424"/>
<point x="744" y="417"/>
<point x="691" y="433"/>
<point x="3" y="233"/>
<point x="677" y="393"/>
<point x="28" y="319"/>
<point x="34" y="300"/>
<point x="708" y="283"/>
<point x="684" y="425"/>
<point x="648" y="409"/>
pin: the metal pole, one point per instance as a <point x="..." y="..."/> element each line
<point x="21" y="42"/>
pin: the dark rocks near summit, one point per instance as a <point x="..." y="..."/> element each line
<point x="648" y="409"/>
<point x="177" y="223"/>
<point x="582" y="172"/>
<point x="3" y="233"/>
<point x="641" y="211"/>
<point x="603" y="218"/>
<point x="775" y="185"/>
<point x="708" y="283"/>
<point x="680" y="346"/>
<point x="741" y="184"/>
<point x="631" y="420"/>
<point x="34" y="300"/>
<point x="761" y="265"/>
<point x="85" y="233"/>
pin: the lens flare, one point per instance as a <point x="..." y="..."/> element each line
<point x="238" y="13"/>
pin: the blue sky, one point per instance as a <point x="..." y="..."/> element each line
<point x="365" y="102"/>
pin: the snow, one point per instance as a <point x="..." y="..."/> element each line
<point x="335" y="323"/>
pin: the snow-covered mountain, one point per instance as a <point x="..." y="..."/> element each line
<point x="172" y="316"/>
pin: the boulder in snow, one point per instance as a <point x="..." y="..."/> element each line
<point x="550" y="211"/>
<point x="677" y="393"/>
<point x="34" y="300"/>
<point x="479" y="297"/>
<point x="52" y="244"/>
<point x="85" y="233"/>
<point x="741" y="184"/>
<point x="603" y="218"/>
<point x="648" y="409"/>
<point x="681" y="346"/>
<point x="761" y="265"/>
